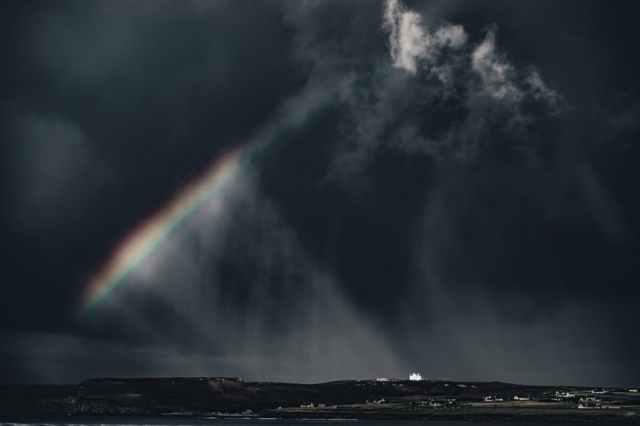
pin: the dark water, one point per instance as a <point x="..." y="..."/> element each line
<point x="111" y="421"/>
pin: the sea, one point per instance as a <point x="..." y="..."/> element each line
<point x="142" y="421"/>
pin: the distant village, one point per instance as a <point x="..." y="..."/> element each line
<point x="582" y="398"/>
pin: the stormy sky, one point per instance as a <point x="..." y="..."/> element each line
<point x="443" y="186"/>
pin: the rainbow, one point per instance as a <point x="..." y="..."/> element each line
<point x="145" y="237"/>
<point x="139" y="243"/>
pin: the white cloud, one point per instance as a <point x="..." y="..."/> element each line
<point x="411" y="42"/>
<point x="497" y="75"/>
<point x="451" y="35"/>
<point x="442" y="96"/>
<point x="407" y="38"/>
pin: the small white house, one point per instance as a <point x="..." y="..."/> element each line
<point x="382" y="379"/>
<point x="521" y="398"/>
<point x="634" y="390"/>
<point x="493" y="398"/>
<point x="415" y="377"/>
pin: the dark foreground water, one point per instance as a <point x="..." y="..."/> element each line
<point x="111" y="421"/>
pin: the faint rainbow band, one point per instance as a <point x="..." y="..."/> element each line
<point x="148" y="235"/>
<point x="145" y="237"/>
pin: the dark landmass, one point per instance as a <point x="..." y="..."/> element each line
<point x="371" y="399"/>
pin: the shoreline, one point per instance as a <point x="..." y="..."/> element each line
<point x="211" y="399"/>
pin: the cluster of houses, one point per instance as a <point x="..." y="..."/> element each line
<point x="438" y="402"/>
<point x="584" y="399"/>
<point x="589" y="402"/>
<point x="588" y="399"/>
<point x="563" y="395"/>
<point x="312" y="405"/>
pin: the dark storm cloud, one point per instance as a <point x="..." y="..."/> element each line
<point x="519" y="194"/>
<point x="54" y="174"/>
<point x="165" y="84"/>
<point x="446" y="186"/>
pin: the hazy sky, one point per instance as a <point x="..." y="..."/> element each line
<point x="441" y="186"/>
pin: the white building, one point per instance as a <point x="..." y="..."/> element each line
<point x="382" y="379"/>
<point x="564" y="395"/>
<point x="589" y="403"/>
<point x="493" y="398"/>
<point x="415" y="377"/>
